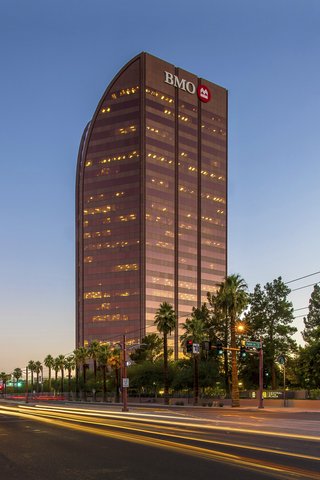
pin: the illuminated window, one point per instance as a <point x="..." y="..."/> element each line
<point x="125" y="267"/>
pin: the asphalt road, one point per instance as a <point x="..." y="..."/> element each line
<point x="57" y="442"/>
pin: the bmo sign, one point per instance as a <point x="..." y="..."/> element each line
<point x="203" y="92"/>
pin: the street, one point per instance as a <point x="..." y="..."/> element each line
<point x="89" y="442"/>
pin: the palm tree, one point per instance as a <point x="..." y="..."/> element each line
<point x="37" y="369"/>
<point x="115" y="364"/>
<point x="60" y="363"/>
<point x="232" y="296"/>
<point x="93" y="352"/>
<point x="165" y="321"/>
<point x="103" y="358"/>
<point x="81" y="355"/>
<point x="219" y="331"/>
<point x="17" y="374"/>
<point x="56" y="368"/>
<point x="48" y="361"/>
<point x="69" y="365"/>
<point x="4" y="377"/>
<point x="195" y="330"/>
<point x="31" y="367"/>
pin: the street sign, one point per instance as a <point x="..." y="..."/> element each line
<point x="250" y="344"/>
<point x="125" y="382"/>
<point x="195" y="348"/>
<point x="281" y="359"/>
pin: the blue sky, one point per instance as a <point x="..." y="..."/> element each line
<point x="57" y="57"/>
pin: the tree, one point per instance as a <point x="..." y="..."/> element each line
<point x="60" y="364"/>
<point x="103" y="357"/>
<point x="195" y="330"/>
<point x="4" y="377"/>
<point x="232" y="298"/>
<point x="31" y="366"/>
<point x="147" y="377"/>
<point x="69" y="365"/>
<point x="115" y="364"/>
<point x="93" y="352"/>
<point x="165" y="321"/>
<point x="150" y="349"/>
<point x="311" y="332"/>
<point x="37" y="370"/>
<point x="56" y="368"/>
<point x="219" y="331"/>
<point x="48" y="362"/>
<point x="81" y="356"/>
<point x="308" y="370"/>
<point x="270" y="317"/>
<point x="17" y="374"/>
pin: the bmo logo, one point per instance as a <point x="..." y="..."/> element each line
<point x="182" y="84"/>
<point x="204" y="93"/>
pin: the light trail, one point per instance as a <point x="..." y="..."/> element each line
<point x="280" y="471"/>
<point x="58" y="416"/>
<point x="136" y="417"/>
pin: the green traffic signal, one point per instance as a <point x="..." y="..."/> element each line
<point x="219" y="347"/>
<point x="243" y="352"/>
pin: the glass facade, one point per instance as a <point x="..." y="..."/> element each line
<point x="151" y="202"/>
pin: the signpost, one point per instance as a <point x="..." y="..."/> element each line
<point x="251" y="344"/>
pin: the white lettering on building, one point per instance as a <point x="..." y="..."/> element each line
<point x="172" y="79"/>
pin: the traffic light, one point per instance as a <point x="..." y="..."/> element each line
<point x="243" y="352"/>
<point x="189" y="346"/>
<point x="219" y="347"/>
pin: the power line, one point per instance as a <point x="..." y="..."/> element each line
<point x="300" y="278"/>
<point x="305" y="286"/>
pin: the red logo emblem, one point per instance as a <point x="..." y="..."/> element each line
<point x="204" y="93"/>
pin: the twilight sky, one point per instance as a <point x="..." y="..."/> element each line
<point x="57" y="58"/>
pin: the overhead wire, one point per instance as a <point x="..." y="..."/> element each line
<point x="301" y="278"/>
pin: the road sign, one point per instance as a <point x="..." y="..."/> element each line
<point x="281" y="359"/>
<point x="195" y="348"/>
<point x="250" y="344"/>
<point x="125" y="382"/>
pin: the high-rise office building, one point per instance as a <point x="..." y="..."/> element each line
<point x="151" y="220"/>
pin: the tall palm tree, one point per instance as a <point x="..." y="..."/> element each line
<point x="17" y="374"/>
<point x="60" y="363"/>
<point x="219" y="330"/>
<point x="93" y="352"/>
<point x="165" y="321"/>
<point x="69" y="365"/>
<point x="31" y="366"/>
<point x="56" y="368"/>
<point x="81" y="356"/>
<point x="115" y="364"/>
<point x="4" y="377"/>
<point x="232" y="296"/>
<point x="77" y="365"/>
<point x="37" y="369"/>
<point x="195" y="330"/>
<point x="103" y="358"/>
<point x="48" y="362"/>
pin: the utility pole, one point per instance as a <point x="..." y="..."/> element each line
<point x="27" y="386"/>
<point x="124" y="377"/>
<point x="260" y="405"/>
